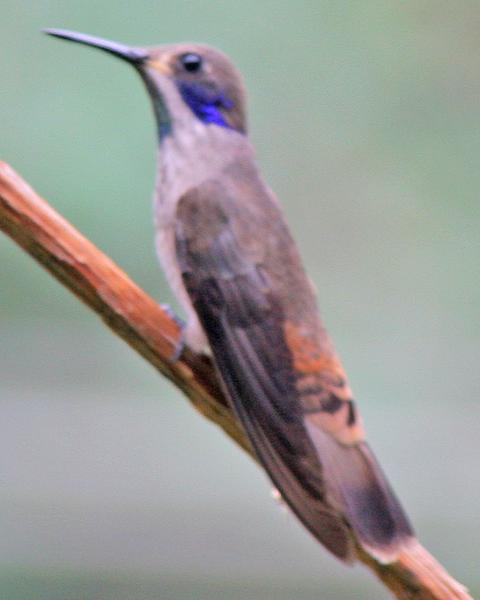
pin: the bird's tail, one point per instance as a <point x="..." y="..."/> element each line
<point x="357" y="487"/>
<point x="384" y="538"/>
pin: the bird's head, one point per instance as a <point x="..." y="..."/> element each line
<point x="188" y="83"/>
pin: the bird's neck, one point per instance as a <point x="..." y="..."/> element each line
<point x="190" y="150"/>
<point x="192" y="153"/>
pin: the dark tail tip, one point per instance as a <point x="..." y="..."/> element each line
<point x="375" y="513"/>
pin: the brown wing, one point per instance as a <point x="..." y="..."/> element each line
<point x="296" y="411"/>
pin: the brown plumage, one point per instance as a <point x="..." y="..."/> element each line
<point x="231" y="260"/>
<point x="257" y="307"/>
<point x="217" y="67"/>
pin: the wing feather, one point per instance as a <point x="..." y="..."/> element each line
<point x="303" y="427"/>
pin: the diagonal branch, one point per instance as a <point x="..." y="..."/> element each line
<point x="144" y="325"/>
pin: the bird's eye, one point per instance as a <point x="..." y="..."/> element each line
<point x="191" y="62"/>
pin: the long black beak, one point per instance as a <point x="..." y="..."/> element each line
<point x="136" y="56"/>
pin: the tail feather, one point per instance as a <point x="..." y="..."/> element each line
<point x="360" y="490"/>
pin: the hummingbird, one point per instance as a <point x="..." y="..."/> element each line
<point x="230" y="259"/>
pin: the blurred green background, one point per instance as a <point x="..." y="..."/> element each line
<point x="365" y="116"/>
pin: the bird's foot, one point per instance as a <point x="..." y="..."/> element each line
<point x="181" y="344"/>
<point x="171" y="313"/>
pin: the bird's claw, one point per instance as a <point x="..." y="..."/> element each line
<point x="180" y="345"/>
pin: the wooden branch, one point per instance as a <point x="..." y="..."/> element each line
<point x="141" y="322"/>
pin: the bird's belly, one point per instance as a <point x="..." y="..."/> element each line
<point x="194" y="336"/>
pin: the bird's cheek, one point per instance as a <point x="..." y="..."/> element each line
<point x="159" y="66"/>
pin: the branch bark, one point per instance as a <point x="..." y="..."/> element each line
<point x="146" y="327"/>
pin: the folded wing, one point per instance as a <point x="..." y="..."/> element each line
<point x="292" y="402"/>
